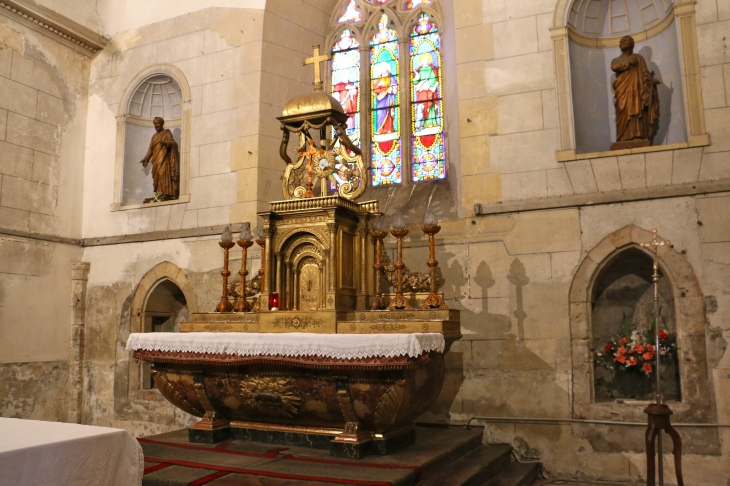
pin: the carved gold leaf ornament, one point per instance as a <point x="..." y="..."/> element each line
<point x="388" y="327"/>
<point x="276" y="397"/>
<point x="393" y="406"/>
<point x="167" y="389"/>
<point x="297" y="322"/>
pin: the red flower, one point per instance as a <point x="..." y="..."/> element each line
<point x="639" y="348"/>
<point x="650" y="348"/>
<point x="620" y="358"/>
<point x="624" y="340"/>
<point x="609" y="347"/>
<point x="662" y="334"/>
<point x="648" y="356"/>
<point x="647" y="368"/>
<point x="632" y="361"/>
<point x="621" y="351"/>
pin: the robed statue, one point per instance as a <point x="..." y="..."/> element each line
<point x="637" y="101"/>
<point x="165" y="158"/>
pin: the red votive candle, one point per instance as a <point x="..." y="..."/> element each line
<point x="274" y="301"/>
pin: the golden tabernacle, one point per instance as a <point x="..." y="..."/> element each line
<point x="364" y="364"/>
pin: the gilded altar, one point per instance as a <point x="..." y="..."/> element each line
<point x="324" y="264"/>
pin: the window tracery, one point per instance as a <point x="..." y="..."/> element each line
<point x="394" y="48"/>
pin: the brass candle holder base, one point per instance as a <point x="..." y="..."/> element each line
<point x="434" y="300"/>
<point x="225" y="305"/>
<point x="378" y="303"/>
<point x="242" y="304"/>
<point x="399" y="302"/>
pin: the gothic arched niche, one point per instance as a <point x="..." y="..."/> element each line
<point x="165" y="308"/>
<point x="595" y="28"/>
<point x="623" y="295"/>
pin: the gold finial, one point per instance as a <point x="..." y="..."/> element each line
<point x="316" y="59"/>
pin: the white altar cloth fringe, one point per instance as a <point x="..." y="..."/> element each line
<point x="36" y="453"/>
<point x="336" y="346"/>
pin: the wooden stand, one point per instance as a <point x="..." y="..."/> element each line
<point x="658" y="421"/>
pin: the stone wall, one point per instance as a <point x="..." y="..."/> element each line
<point x="509" y="271"/>
<point x="42" y="136"/>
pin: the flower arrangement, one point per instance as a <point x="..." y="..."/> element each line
<point x="629" y="352"/>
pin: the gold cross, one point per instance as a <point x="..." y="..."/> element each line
<point x="654" y="245"/>
<point x="316" y="59"/>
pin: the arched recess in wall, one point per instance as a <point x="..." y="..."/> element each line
<point x="161" y="90"/>
<point x="689" y="315"/>
<point x="161" y="300"/>
<point x="586" y="34"/>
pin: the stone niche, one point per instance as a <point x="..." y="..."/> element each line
<point x="624" y="291"/>
<point x="595" y="28"/>
<point x="158" y="95"/>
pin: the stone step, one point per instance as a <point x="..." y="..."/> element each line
<point x="473" y="468"/>
<point x="460" y="443"/>
<point x="516" y="474"/>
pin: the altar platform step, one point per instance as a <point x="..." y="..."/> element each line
<point x="446" y="457"/>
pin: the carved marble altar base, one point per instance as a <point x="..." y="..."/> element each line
<point x="354" y="407"/>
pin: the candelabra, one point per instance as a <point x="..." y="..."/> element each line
<point x="431" y="227"/>
<point x="399" y="231"/>
<point x="226" y="243"/>
<point x="244" y="241"/>
<point x="261" y="241"/>
<point x="378" y="233"/>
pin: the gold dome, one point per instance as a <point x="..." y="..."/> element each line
<point x="315" y="102"/>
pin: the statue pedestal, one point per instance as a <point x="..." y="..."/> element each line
<point x="631" y="144"/>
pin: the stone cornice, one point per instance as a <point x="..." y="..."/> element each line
<point x="53" y="25"/>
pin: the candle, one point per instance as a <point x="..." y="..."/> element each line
<point x="227" y="237"/>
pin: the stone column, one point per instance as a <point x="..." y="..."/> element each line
<point x="79" y="279"/>
<point x="563" y="92"/>
<point x="685" y="14"/>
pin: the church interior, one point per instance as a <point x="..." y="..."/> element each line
<point x="437" y="242"/>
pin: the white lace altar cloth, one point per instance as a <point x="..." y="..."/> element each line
<point x="292" y="344"/>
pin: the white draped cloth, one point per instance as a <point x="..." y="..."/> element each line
<point x="58" y="454"/>
<point x="293" y="344"/>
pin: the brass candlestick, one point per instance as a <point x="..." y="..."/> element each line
<point x="226" y="243"/>
<point x="434" y="300"/>
<point x="261" y="241"/>
<point x="399" y="231"/>
<point x="378" y="235"/>
<point x="242" y="304"/>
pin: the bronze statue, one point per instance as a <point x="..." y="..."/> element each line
<point x="637" y="101"/>
<point x="165" y="158"/>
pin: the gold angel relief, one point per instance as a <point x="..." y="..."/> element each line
<point x="333" y="170"/>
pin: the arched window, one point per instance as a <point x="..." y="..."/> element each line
<point x="394" y="48"/>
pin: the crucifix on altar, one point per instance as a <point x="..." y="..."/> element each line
<point x="316" y="59"/>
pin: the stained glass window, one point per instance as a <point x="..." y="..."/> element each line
<point x="352" y="14"/>
<point x="428" y="161"/>
<point x="346" y="86"/>
<point x="385" y="105"/>
<point x="411" y="4"/>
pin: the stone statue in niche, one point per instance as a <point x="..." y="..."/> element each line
<point x="165" y="158"/>
<point x="636" y="97"/>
